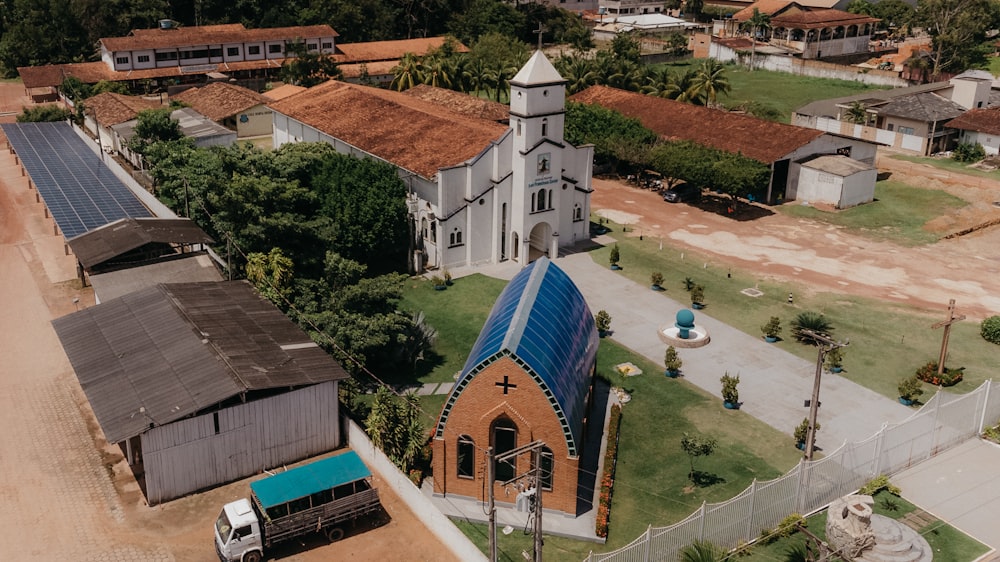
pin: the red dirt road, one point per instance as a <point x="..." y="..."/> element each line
<point x="828" y="258"/>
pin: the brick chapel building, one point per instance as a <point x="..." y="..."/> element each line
<point x="530" y="376"/>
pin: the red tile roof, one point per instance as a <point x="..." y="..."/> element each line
<point x="220" y="100"/>
<point x="979" y="120"/>
<point x="390" y="50"/>
<point x="814" y="19"/>
<point x="51" y="75"/>
<point x="765" y="141"/>
<point x="458" y="102"/>
<point x="376" y="68"/>
<point x="210" y="34"/>
<point x="412" y="133"/>
<point x="112" y="109"/>
<point x="769" y="7"/>
<point x="283" y="91"/>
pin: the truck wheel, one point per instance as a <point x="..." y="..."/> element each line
<point x="252" y="556"/>
<point x="334" y="534"/>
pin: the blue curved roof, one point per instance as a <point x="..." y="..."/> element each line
<point x="543" y="323"/>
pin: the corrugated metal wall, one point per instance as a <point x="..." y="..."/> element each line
<point x="189" y="455"/>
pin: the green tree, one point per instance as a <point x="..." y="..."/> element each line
<point x="694" y="8"/>
<point x="394" y="427"/>
<point x="609" y="131"/>
<point x="577" y="71"/>
<point x="308" y="69"/>
<point x="863" y="7"/>
<point x="757" y="22"/>
<point x="684" y="161"/>
<point x="709" y="81"/>
<point x="857" y="113"/>
<point x="44" y="113"/>
<point x="486" y="16"/>
<point x="272" y="275"/>
<point x="625" y="47"/>
<point x="895" y="14"/>
<point x="695" y="446"/>
<point x="958" y="30"/>
<point x="408" y="73"/>
<point x="154" y="125"/>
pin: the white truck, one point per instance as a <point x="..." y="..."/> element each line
<point x="317" y="497"/>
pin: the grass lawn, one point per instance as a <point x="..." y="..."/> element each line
<point x="782" y="91"/>
<point x="652" y="485"/>
<point x="898" y="213"/>
<point x="888" y="341"/>
<point x="947" y="542"/>
<point x="950" y="165"/>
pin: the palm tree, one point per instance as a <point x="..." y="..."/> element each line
<point x="408" y="73"/>
<point x="702" y="551"/>
<point x="625" y="75"/>
<point x="477" y="75"/>
<point x="757" y="21"/>
<point x="684" y="90"/>
<point x="710" y="81"/>
<point x="857" y="113"/>
<point x="500" y="75"/>
<point x="436" y="73"/>
<point x="660" y="83"/>
<point x="578" y="72"/>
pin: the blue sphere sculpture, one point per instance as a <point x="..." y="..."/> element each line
<point x="685" y="323"/>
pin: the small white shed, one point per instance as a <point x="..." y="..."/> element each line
<point x="837" y="180"/>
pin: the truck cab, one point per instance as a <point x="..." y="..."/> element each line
<point x="237" y="533"/>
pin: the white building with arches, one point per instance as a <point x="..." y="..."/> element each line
<point x="481" y="192"/>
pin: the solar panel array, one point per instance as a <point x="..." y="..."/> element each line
<point x="80" y="191"/>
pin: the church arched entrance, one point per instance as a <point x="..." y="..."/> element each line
<point x="539" y="241"/>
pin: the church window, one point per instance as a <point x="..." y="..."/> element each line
<point x="545" y="127"/>
<point x="423" y="228"/>
<point x="466" y="457"/>
<point x="541" y="200"/>
<point x="504" y="440"/>
<point x="548" y="466"/>
<point x="518" y="127"/>
<point x="534" y="207"/>
<point x="577" y="213"/>
<point x="455" y="238"/>
<point x="434" y="233"/>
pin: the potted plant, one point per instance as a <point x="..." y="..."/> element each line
<point x="835" y="360"/>
<point x="603" y="322"/>
<point x="697" y="297"/>
<point x="439" y="283"/>
<point x="730" y="394"/>
<point x="802" y="432"/>
<point x="910" y="389"/>
<point x="447" y="277"/>
<point x="656" y="281"/>
<point x="615" y="257"/>
<point x="672" y="362"/>
<point x="771" y="329"/>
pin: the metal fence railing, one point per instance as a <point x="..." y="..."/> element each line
<point x="943" y="422"/>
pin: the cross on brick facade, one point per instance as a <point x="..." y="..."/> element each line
<point x="506" y="384"/>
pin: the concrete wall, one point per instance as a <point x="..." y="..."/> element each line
<point x="819" y="69"/>
<point x="991" y="143"/>
<point x="436" y="522"/>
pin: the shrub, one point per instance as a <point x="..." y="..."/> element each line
<point x="615" y="255"/>
<point x="910" y="388"/>
<point x="789" y="524"/>
<point x="656" y="278"/>
<point x="44" y="113"/>
<point x="813" y="322"/>
<point x="929" y="373"/>
<point x="968" y="152"/>
<point x="729" y="391"/>
<point x="602" y="321"/>
<point x="772" y="328"/>
<point x="990" y="329"/>
<point x="877" y="484"/>
<point x="697" y="294"/>
<point x="802" y="431"/>
<point x="671" y="360"/>
<point x="608" y="478"/>
<point x="835" y="358"/>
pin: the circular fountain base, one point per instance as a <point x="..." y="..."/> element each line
<point x="670" y="335"/>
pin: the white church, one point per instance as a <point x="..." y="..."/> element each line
<point x="481" y="192"/>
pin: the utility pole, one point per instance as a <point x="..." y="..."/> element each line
<point x="825" y="344"/>
<point x="947" y="331"/>
<point x="490" y="506"/>
<point x="535" y="448"/>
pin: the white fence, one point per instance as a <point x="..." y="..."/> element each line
<point x="945" y="421"/>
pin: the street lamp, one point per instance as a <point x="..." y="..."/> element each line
<point x="825" y="344"/>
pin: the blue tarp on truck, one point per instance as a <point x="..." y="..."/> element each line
<point x="309" y="479"/>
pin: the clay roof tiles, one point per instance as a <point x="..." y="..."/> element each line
<point x="820" y="18"/>
<point x="390" y="50"/>
<point x="283" y="91"/>
<point x="765" y="141"/>
<point x="210" y="34"/>
<point x="389" y="124"/>
<point x="979" y="120"/>
<point x="220" y="100"/>
<point x="112" y="109"/>
<point x="461" y="103"/>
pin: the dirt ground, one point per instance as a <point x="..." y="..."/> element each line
<point x="65" y="493"/>
<point x="828" y="258"/>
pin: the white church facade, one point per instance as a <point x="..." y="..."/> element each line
<point x="480" y="192"/>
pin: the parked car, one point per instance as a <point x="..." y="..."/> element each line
<point x="682" y="192"/>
